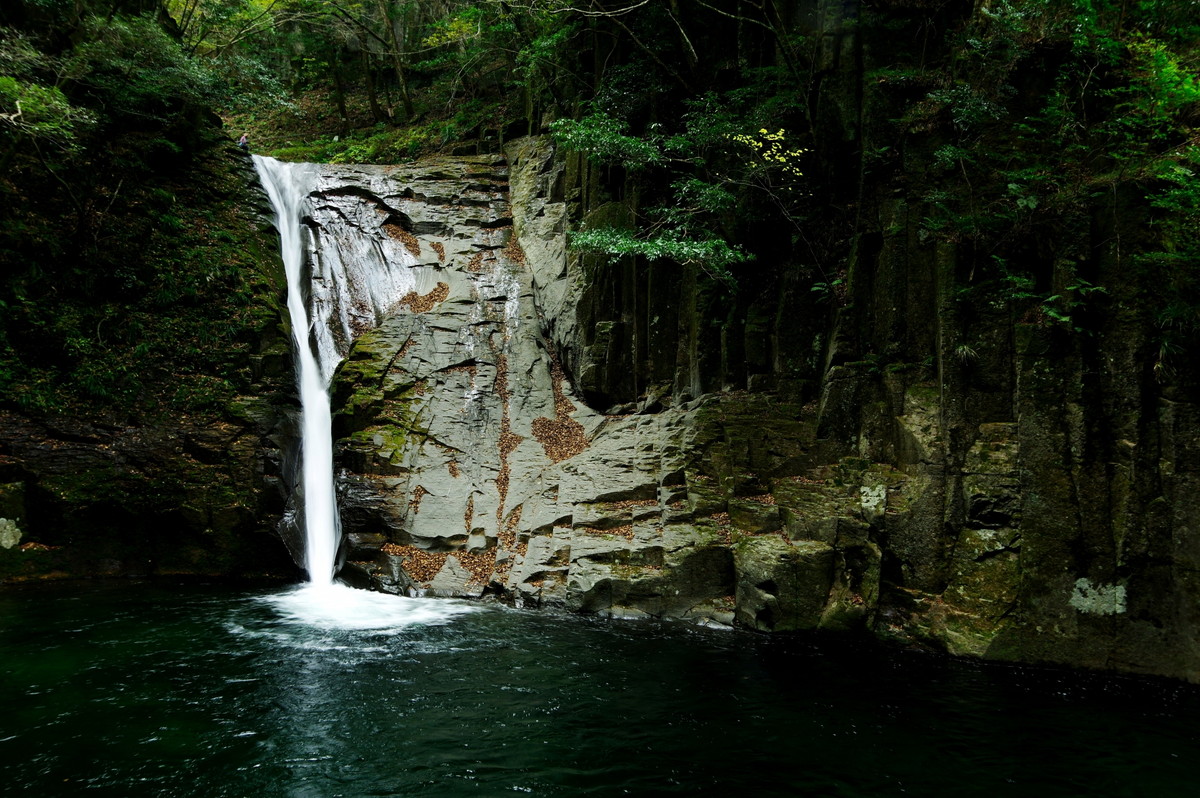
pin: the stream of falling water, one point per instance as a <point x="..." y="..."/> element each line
<point x="324" y="602"/>
<point x="288" y="185"/>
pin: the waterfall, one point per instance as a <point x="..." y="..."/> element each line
<point x="357" y="274"/>
<point x="288" y="186"/>
<point x="349" y="265"/>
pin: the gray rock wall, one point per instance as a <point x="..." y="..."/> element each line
<point x="469" y="463"/>
<point x="986" y="507"/>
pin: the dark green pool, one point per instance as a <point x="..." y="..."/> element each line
<point x="147" y="689"/>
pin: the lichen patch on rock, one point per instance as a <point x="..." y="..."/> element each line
<point x="1097" y="599"/>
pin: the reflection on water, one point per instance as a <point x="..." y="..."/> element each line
<point x="136" y="689"/>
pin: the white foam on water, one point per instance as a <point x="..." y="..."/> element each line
<point x="337" y="607"/>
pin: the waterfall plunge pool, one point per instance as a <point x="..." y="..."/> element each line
<point x="131" y="689"/>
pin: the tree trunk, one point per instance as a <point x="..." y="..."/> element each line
<point x="339" y="95"/>
<point x="397" y="60"/>
<point x="377" y="112"/>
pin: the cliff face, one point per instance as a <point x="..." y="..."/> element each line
<point x="1027" y="503"/>
<point x="920" y="447"/>
<point x="916" y="415"/>
<point x="471" y="464"/>
<point x="920" y="417"/>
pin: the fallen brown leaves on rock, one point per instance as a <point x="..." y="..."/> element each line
<point x="508" y="541"/>
<point x="513" y="250"/>
<point x="561" y="437"/>
<point x="404" y="237"/>
<point x="420" y="565"/>
<point x="624" y="531"/>
<point x="481" y="564"/>
<point x="414" y="503"/>
<point x="561" y="440"/>
<point x="508" y="532"/>
<point x="35" y="546"/>
<point x="396" y="365"/>
<point x="509" y="440"/>
<point x="419" y="303"/>
<point x="628" y="503"/>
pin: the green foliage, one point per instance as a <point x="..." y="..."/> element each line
<point x="1176" y="205"/>
<point x="37" y="112"/>
<point x="380" y="144"/>
<point x="543" y="50"/>
<point x="696" y="195"/>
<point x="124" y="291"/>
<point x="1148" y="105"/>
<point x="135" y="69"/>
<point x="714" y="255"/>
<point x="968" y="107"/>
<point x="711" y="163"/>
<point x="769" y="147"/>
<point x="1114" y="96"/>
<point x="454" y="29"/>
<point x="830" y="291"/>
<point x="34" y="111"/>
<point x="1019" y="126"/>
<point x="605" y="140"/>
<point x="1063" y="308"/>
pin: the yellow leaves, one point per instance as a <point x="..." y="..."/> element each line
<point x="452" y="31"/>
<point x="770" y="149"/>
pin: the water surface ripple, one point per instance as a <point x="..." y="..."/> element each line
<point x="142" y="689"/>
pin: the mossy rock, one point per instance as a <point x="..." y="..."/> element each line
<point x="781" y="585"/>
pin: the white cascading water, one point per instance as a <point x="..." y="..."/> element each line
<point x="288" y="185"/>
<point x="324" y="603"/>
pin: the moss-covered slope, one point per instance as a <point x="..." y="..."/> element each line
<point x="143" y="360"/>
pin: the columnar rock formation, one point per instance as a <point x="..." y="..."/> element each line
<point x="471" y="462"/>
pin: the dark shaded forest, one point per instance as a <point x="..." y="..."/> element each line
<point x="733" y="131"/>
